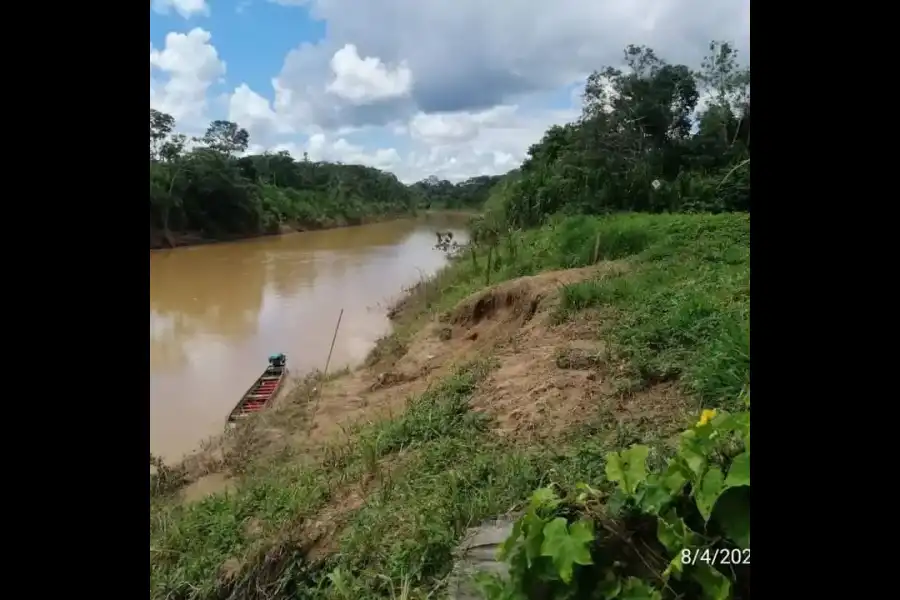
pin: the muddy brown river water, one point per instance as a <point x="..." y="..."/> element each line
<point x="218" y="311"/>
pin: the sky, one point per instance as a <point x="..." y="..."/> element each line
<point x="452" y="88"/>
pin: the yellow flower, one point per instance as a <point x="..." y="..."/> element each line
<point x="706" y="416"/>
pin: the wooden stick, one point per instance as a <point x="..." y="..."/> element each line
<point x="312" y="415"/>
<point x="336" y="327"/>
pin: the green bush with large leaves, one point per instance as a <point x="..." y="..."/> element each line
<point x="657" y="527"/>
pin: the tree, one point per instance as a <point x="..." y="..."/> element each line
<point x="161" y="125"/>
<point x="208" y="189"/>
<point x="226" y="137"/>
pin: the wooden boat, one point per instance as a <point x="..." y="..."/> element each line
<point x="262" y="391"/>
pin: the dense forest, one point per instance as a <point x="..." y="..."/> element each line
<point x="441" y="194"/>
<point x="206" y="189"/>
<point x="643" y="143"/>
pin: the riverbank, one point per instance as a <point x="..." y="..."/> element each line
<point x="592" y="335"/>
<point x="161" y="241"/>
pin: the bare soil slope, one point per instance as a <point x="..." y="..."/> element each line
<point x="548" y="377"/>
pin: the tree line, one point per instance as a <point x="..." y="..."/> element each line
<point x="642" y="143"/>
<point x="207" y="187"/>
<point x="469" y="194"/>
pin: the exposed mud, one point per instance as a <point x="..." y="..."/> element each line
<point x="510" y="321"/>
<point x="548" y="379"/>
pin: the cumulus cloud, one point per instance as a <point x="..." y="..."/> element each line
<point x="185" y="68"/>
<point x="453" y="89"/>
<point x="452" y="128"/>
<point x="472" y="55"/>
<point x="366" y="80"/>
<point x="460" y="145"/>
<point x="325" y="147"/>
<point x="185" y="8"/>
<point x="255" y="113"/>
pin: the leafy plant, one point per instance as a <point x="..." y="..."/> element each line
<point x="681" y="531"/>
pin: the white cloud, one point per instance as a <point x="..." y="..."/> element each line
<point x="324" y="147"/>
<point x="255" y="113"/>
<point x="472" y="55"/>
<point x="185" y="8"/>
<point x="366" y="80"/>
<point x="453" y="89"/>
<point x="189" y="65"/>
<point x="448" y="128"/>
<point x="462" y="145"/>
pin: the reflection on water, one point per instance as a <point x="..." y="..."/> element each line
<point x="217" y="312"/>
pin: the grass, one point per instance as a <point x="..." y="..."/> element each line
<point x="680" y="312"/>
<point x="683" y="312"/>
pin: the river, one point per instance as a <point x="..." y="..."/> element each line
<point x="218" y="311"/>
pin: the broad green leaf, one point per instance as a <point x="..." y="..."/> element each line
<point x="655" y="496"/>
<point x="695" y="461"/>
<point x="567" y="546"/>
<point x="708" y="491"/>
<point x="506" y="548"/>
<point x="742" y="421"/>
<point x="628" y="468"/>
<point x="534" y="536"/>
<point x="675" y="477"/>
<point x="676" y="568"/>
<point x="724" y="421"/>
<point x="614" y="469"/>
<point x="715" y="586"/>
<point x="636" y="458"/>
<point x="732" y="513"/>
<point x="739" y="472"/>
<point x="610" y="586"/>
<point x="635" y="589"/>
<point x="673" y="532"/>
<point x="617" y="502"/>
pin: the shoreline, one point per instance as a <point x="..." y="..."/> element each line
<point x="480" y="393"/>
<point x="183" y="239"/>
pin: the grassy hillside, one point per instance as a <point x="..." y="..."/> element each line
<point x="654" y="331"/>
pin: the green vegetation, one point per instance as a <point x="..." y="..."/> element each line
<point x="470" y="194"/>
<point x="204" y="187"/>
<point x="591" y="530"/>
<point x="208" y="189"/>
<point x="613" y="505"/>
<point x="638" y="147"/>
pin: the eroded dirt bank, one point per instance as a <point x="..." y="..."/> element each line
<point x="362" y="486"/>
<point x="545" y="379"/>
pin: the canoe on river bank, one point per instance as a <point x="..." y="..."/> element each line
<point x="262" y="391"/>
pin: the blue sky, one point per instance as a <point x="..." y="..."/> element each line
<point x="252" y="37"/>
<point x="416" y="87"/>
